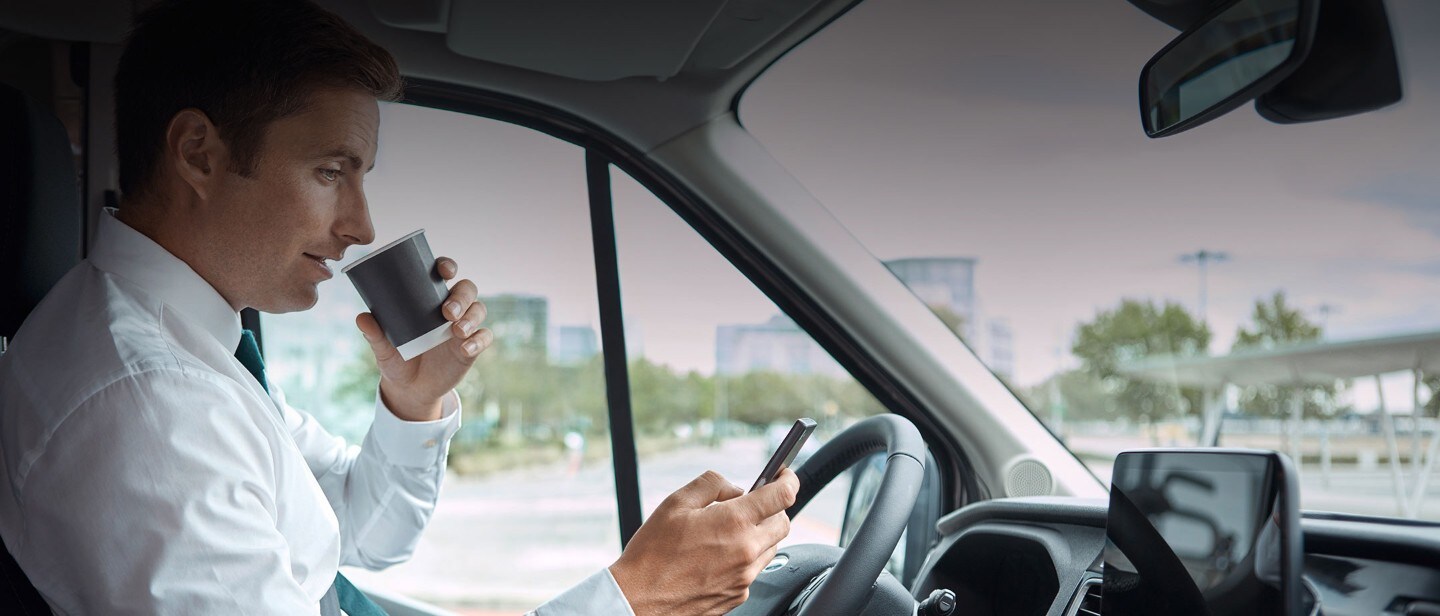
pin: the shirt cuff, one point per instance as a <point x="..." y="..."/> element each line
<point x="598" y="594"/>
<point x="419" y="444"/>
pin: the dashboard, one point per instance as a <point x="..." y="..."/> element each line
<point x="1041" y="556"/>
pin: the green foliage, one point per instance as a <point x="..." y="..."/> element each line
<point x="1077" y="394"/>
<point x="358" y="379"/>
<point x="1275" y="323"/>
<point x="763" y="398"/>
<point x="661" y="398"/>
<point x="547" y="400"/>
<point x="1132" y="331"/>
<point x="757" y="398"/>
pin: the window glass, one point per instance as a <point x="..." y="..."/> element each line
<point x="717" y="373"/>
<point x="1116" y="282"/>
<point x="528" y="508"/>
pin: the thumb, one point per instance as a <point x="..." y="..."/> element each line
<point x="379" y="344"/>
<point x="772" y="498"/>
<point x="708" y="488"/>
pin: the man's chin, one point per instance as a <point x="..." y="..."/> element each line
<point x="304" y="299"/>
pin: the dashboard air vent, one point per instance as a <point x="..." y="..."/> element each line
<point x="1087" y="601"/>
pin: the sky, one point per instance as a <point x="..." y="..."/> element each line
<point x="1005" y="131"/>
<point x="1009" y="132"/>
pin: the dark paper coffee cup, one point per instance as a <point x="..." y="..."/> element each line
<point x="403" y="290"/>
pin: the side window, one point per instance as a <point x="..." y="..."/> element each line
<point x="717" y="372"/>
<point x="528" y="509"/>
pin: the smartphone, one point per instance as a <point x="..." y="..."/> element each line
<point x="786" y="452"/>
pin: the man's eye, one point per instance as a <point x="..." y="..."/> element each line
<point x="330" y="175"/>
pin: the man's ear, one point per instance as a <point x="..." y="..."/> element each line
<point x="195" y="151"/>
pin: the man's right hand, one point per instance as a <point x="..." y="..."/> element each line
<point x="704" y="545"/>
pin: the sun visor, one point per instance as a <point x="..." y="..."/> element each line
<point x="421" y="15"/>
<point x="68" y="20"/>
<point x="1179" y="14"/>
<point x="582" y="39"/>
<point x="743" y="28"/>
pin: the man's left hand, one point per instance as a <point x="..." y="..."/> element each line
<point x="412" y="389"/>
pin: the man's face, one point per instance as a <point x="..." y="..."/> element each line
<point x="285" y="225"/>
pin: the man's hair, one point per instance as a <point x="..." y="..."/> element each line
<point x="244" y="63"/>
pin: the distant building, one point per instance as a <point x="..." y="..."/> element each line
<point x="573" y="344"/>
<point x="778" y="345"/>
<point x="999" y="349"/>
<point x="521" y="324"/>
<point x="942" y="281"/>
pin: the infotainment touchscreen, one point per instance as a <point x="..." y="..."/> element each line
<point x="1211" y="532"/>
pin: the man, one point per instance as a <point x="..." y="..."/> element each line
<point x="152" y="469"/>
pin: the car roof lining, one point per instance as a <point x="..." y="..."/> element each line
<point x="643" y="109"/>
<point x="69" y="20"/>
<point x="593" y="41"/>
<point x="647" y="94"/>
<point x="582" y="39"/>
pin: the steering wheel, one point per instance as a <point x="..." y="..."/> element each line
<point x="816" y="580"/>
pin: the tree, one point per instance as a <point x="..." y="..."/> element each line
<point x="661" y="399"/>
<point x="538" y="400"/>
<point x="1275" y="323"/>
<point x="760" y="398"/>
<point x="1078" y="392"/>
<point x="358" y="378"/>
<point x="1132" y="331"/>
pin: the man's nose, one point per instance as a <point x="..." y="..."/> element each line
<point x="354" y="224"/>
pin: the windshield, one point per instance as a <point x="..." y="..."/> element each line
<point x="1245" y="284"/>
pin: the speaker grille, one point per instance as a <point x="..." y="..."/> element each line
<point x="1028" y="477"/>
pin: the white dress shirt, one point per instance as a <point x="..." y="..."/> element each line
<point x="150" y="473"/>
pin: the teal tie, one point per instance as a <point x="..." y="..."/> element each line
<point x="354" y="602"/>
<point x="249" y="356"/>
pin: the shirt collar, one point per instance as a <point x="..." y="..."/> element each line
<point x="129" y="254"/>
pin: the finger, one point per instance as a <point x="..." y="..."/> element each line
<point x="709" y="487"/>
<point x="758" y="565"/>
<point x="461" y="296"/>
<point x="774" y="529"/>
<point x="470" y="323"/>
<point x="379" y="344"/>
<point x="472" y="347"/>
<point x="447" y="267"/>
<point x="772" y="498"/>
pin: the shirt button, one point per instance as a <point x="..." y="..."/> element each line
<point x="430" y="443"/>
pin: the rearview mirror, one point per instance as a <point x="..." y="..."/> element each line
<point x="1228" y="58"/>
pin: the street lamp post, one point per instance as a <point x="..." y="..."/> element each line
<point x="1325" y="311"/>
<point x="1202" y="258"/>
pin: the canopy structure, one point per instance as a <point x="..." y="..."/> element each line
<point x="1308" y="364"/>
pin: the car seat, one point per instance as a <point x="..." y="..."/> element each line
<point x="41" y="216"/>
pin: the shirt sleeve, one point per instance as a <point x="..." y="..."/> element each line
<point x="207" y="541"/>
<point x="598" y="594"/>
<point x="383" y="491"/>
